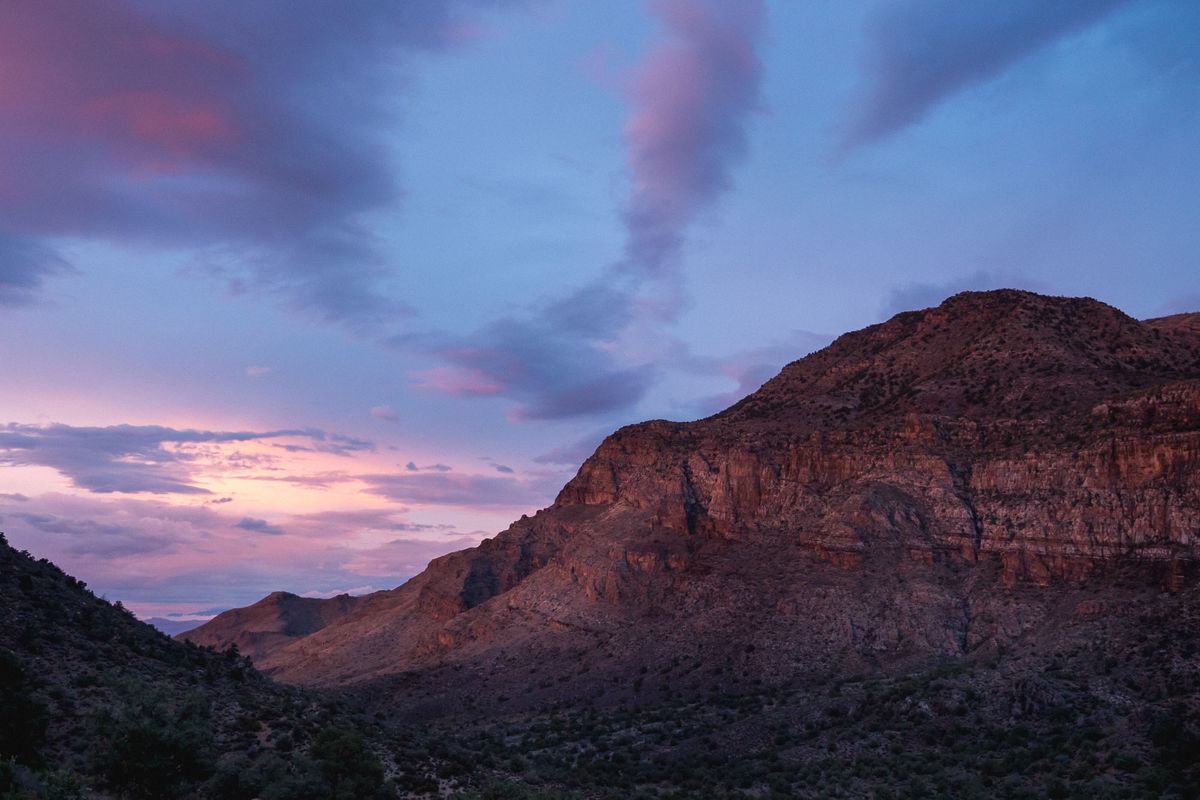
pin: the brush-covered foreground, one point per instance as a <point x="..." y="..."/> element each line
<point x="97" y="704"/>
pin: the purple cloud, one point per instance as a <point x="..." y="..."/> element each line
<point x="750" y="369"/>
<point x="552" y="370"/>
<point x="136" y="458"/>
<point x="413" y="467"/>
<point x="405" y="556"/>
<point x="197" y="556"/>
<point x="258" y="526"/>
<point x="690" y="100"/>
<point x="90" y="537"/>
<point x="385" y="413"/>
<point x="366" y="519"/>
<point x="574" y="453"/>
<point x="249" y="134"/>
<point x="444" y="489"/>
<point x="1184" y="304"/>
<point x="917" y="295"/>
<point x="24" y="266"/>
<point x="333" y="443"/>
<point x="922" y="52"/>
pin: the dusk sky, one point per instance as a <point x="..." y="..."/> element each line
<point x="299" y="294"/>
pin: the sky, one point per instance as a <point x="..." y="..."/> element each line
<point x="299" y="294"/>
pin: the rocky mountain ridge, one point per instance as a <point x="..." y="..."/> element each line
<point x="950" y="483"/>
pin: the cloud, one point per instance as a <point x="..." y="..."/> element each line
<point x="91" y="538"/>
<point x="916" y="295"/>
<point x="319" y="480"/>
<point x="406" y="556"/>
<point x="412" y="467"/>
<point x="385" y="413"/>
<point x="1187" y="303"/>
<point x="138" y="458"/>
<point x="496" y="465"/>
<point x="258" y="526"/>
<point x="247" y="134"/>
<point x="333" y="443"/>
<point x="257" y="372"/>
<point x="690" y="100"/>
<point x="443" y="489"/>
<point x="574" y="453"/>
<point x="364" y="520"/>
<point x="15" y="497"/>
<point x="923" y="52"/>
<point x="152" y="553"/>
<point x="355" y="591"/>
<point x="552" y="367"/>
<point x="24" y="266"/>
<point x="750" y="369"/>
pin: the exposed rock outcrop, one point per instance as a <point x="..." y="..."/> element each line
<point x="941" y="483"/>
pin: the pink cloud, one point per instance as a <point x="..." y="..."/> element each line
<point x="249" y="135"/>
<point x="157" y="555"/>
<point x="459" y="381"/>
<point x="690" y="100"/>
<point x="690" y="97"/>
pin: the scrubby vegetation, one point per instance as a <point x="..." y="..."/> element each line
<point x="96" y="704"/>
<point x="1111" y="711"/>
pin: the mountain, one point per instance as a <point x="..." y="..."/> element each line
<point x="952" y="554"/>
<point x="905" y="494"/>
<point x="272" y="623"/>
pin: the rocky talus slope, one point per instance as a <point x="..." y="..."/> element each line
<point x="959" y="482"/>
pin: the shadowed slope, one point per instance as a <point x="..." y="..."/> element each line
<point x="944" y="483"/>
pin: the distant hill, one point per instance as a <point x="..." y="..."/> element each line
<point x="173" y="627"/>
<point x="272" y="623"/>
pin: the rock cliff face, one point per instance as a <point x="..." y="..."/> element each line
<point x="948" y="482"/>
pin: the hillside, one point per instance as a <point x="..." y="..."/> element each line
<point x="272" y="623"/>
<point x="94" y="703"/>
<point x="953" y="554"/>
<point x="900" y="496"/>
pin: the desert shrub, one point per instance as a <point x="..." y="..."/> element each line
<point x="23" y="717"/>
<point x="144" y="748"/>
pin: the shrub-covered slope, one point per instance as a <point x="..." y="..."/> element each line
<point x="94" y="703"/>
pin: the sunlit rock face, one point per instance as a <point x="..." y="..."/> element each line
<point x="951" y="482"/>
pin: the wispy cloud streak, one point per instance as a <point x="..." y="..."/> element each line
<point x="922" y="52"/>
<point x="690" y="101"/>
<point x="691" y="98"/>
<point x="24" y="267"/>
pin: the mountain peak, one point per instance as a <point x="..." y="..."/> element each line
<point x="903" y="494"/>
<point x="981" y="356"/>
